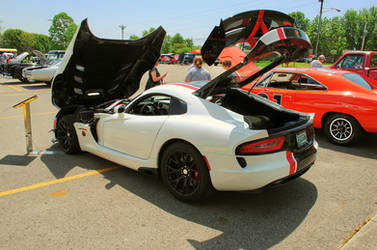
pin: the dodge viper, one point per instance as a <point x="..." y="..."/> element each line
<point x="197" y="137"/>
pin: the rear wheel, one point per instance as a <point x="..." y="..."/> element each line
<point x="185" y="173"/>
<point x="66" y="135"/>
<point x="342" y="129"/>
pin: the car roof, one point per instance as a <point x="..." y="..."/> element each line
<point x="333" y="79"/>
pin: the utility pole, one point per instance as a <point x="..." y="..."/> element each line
<point x="319" y="29"/>
<point x="122" y="27"/>
<point x="364" y="34"/>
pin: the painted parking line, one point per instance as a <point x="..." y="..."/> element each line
<point x="65" y="179"/>
<point x="33" y="114"/>
<point x="26" y="93"/>
<point x="12" y="87"/>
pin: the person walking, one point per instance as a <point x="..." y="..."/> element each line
<point x="197" y="73"/>
<point x="318" y="63"/>
<point x="154" y="77"/>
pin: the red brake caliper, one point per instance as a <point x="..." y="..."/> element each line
<point x="196" y="174"/>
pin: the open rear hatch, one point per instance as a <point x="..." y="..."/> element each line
<point x="274" y="40"/>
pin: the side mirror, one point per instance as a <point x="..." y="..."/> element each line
<point x="120" y="108"/>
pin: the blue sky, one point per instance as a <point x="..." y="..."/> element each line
<point x="192" y="19"/>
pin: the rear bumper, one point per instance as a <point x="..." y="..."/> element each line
<point x="261" y="171"/>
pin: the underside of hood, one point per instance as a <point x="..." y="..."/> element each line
<point x="96" y="70"/>
<point x="275" y="46"/>
<point x="246" y="27"/>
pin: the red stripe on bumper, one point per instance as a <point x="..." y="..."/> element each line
<point x="292" y="162"/>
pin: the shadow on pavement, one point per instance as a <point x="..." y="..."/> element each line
<point x="36" y="86"/>
<point x="17" y="160"/>
<point x="245" y="221"/>
<point x="365" y="147"/>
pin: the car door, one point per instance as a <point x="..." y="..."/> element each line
<point x="134" y="132"/>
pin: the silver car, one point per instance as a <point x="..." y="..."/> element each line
<point x="41" y="73"/>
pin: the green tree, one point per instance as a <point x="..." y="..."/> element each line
<point x="18" y="39"/>
<point x="177" y="38"/>
<point x="353" y="29"/>
<point x="62" y="30"/>
<point x="41" y="42"/>
<point x="146" y="32"/>
<point x="166" y="45"/>
<point x="301" y="21"/>
<point x="189" y="43"/>
<point x="134" y="37"/>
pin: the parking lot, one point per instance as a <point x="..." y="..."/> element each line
<point x="50" y="200"/>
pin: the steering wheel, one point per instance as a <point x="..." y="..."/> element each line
<point x="147" y="109"/>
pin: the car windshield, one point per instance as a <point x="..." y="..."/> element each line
<point x="358" y="80"/>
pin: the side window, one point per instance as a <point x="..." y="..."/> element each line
<point x="281" y="80"/>
<point x="152" y="105"/>
<point x="351" y="62"/>
<point x="264" y="81"/>
<point x="177" y="106"/>
<point x="307" y="83"/>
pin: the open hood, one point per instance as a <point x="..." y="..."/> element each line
<point x="276" y="46"/>
<point x="96" y="70"/>
<point x="42" y="59"/>
<point x="246" y="27"/>
<point x="19" y="58"/>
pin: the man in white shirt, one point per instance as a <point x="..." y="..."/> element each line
<point x="318" y="63"/>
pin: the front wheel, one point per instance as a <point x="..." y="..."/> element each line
<point x="342" y="129"/>
<point x="185" y="173"/>
<point x="66" y="135"/>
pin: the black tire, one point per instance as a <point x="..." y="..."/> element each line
<point x="24" y="80"/>
<point x="66" y="135"/>
<point x="342" y="129"/>
<point x="185" y="173"/>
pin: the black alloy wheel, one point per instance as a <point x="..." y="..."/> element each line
<point x="185" y="173"/>
<point x="66" y="135"/>
<point x="342" y="129"/>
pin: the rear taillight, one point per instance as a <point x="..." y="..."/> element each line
<point x="264" y="146"/>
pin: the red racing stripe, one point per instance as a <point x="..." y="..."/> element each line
<point x="281" y="33"/>
<point x="292" y="162"/>
<point x="184" y="85"/>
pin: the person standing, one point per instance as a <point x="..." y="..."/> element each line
<point x="154" y="77"/>
<point x="318" y="63"/>
<point x="197" y="73"/>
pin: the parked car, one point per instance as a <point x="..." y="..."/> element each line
<point x="168" y="59"/>
<point x="176" y="131"/>
<point x="41" y="73"/>
<point x="361" y="62"/>
<point x="188" y="58"/>
<point x="344" y="103"/>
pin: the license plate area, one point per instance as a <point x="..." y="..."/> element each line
<point x="301" y="138"/>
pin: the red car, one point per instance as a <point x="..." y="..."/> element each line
<point x="344" y="103"/>
<point x="168" y="59"/>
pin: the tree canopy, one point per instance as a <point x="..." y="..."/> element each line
<point x="62" y="30"/>
<point x="341" y="33"/>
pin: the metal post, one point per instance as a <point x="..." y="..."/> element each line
<point x="364" y="35"/>
<point x="27" y="120"/>
<point x="122" y="27"/>
<point x="319" y="30"/>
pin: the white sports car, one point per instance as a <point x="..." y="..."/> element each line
<point x="197" y="137"/>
